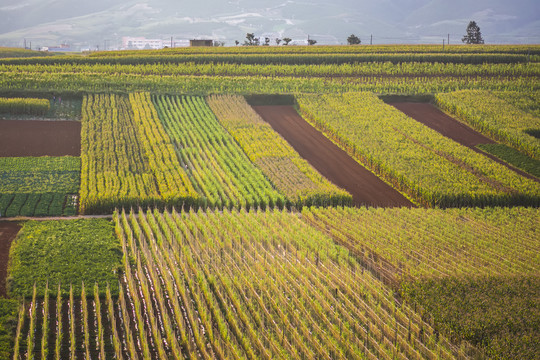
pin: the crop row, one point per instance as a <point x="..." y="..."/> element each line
<point x="430" y="243"/>
<point x="270" y="284"/>
<point x="39" y="186"/>
<point x="382" y="49"/>
<point x="431" y="168"/>
<point x="322" y="70"/>
<point x="218" y="168"/>
<point x="127" y="158"/>
<point x="495" y="117"/>
<point x="473" y="272"/>
<point x="272" y="58"/>
<point x="202" y="85"/>
<point x="291" y="174"/>
<point x="24" y="106"/>
<point x="44" y="204"/>
<point x="230" y="285"/>
<point x="172" y="151"/>
<point x="39" y="174"/>
<point x="58" y="327"/>
<point x="527" y="101"/>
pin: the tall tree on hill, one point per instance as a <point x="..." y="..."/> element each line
<point x="474" y="36"/>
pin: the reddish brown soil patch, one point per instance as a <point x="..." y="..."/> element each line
<point x="39" y="138"/>
<point x="434" y="118"/>
<point x="446" y="125"/>
<point x="331" y="161"/>
<point x="8" y="231"/>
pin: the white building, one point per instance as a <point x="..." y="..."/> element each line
<point x="140" y="43"/>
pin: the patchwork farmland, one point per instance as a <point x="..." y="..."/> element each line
<point x="340" y="202"/>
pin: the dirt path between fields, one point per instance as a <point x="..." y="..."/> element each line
<point x="446" y="125"/>
<point x="40" y="138"/>
<point x="331" y="161"/>
<point x="8" y="232"/>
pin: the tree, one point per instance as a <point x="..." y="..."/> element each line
<point x="266" y="41"/>
<point x="278" y="40"/>
<point x="286" y="41"/>
<point x="236" y="42"/>
<point x="474" y="36"/>
<point x="311" y="42"/>
<point x="251" y="40"/>
<point x="353" y="40"/>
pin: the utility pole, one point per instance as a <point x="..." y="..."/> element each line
<point x="448" y="42"/>
<point x="443" y="44"/>
<point x="371" y="40"/>
<point x="171" y="43"/>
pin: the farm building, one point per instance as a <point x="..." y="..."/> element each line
<point x="201" y="42"/>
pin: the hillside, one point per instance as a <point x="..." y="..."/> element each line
<point x="50" y="22"/>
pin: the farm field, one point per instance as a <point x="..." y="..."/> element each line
<point x="284" y="284"/>
<point x="284" y="166"/>
<point x="330" y="160"/>
<point x="433" y="169"/>
<point x="215" y="164"/>
<point x="496" y="117"/>
<point x="432" y="117"/>
<point x="453" y="264"/>
<point x="270" y="202"/>
<point x="39" y="186"/>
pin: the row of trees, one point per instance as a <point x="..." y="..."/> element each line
<point x="251" y="40"/>
<point x="473" y="36"/>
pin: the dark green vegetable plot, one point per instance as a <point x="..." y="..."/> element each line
<point x="39" y="186"/>
<point x="65" y="252"/>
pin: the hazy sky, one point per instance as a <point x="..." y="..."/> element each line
<point x="87" y="23"/>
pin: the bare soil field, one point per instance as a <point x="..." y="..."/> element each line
<point x="331" y="161"/>
<point x="434" y="118"/>
<point x="8" y="231"/>
<point x="39" y="138"/>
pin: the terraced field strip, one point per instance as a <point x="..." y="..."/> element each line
<point x="434" y="118"/>
<point x="331" y="161"/>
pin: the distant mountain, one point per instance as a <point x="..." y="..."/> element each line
<point x="88" y="24"/>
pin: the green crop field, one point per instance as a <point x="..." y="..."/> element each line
<point x="201" y="233"/>
<point x="37" y="186"/>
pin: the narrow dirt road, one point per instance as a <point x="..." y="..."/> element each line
<point x="8" y="232"/>
<point x="332" y="162"/>
<point x="446" y="125"/>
